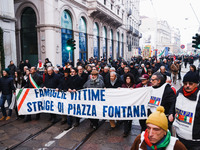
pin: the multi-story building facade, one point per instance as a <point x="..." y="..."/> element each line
<point x="164" y="35"/>
<point x="7" y="24"/>
<point x="101" y="29"/>
<point x="158" y="35"/>
<point x="175" y="41"/>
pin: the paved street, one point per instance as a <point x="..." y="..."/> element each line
<point x="42" y="135"/>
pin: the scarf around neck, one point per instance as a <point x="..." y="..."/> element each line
<point x="186" y="94"/>
<point x="164" y="142"/>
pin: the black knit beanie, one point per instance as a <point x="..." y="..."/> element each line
<point x="191" y="77"/>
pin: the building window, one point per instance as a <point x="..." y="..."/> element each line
<point x="118" y="11"/>
<point x="82" y="39"/>
<point x="111" y="44"/>
<point x="96" y="41"/>
<point x="66" y="34"/>
<point x="104" y="2"/>
<point x="105" y="43"/>
<point x="111" y="6"/>
<point x="117" y="49"/>
<point x="29" y="49"/>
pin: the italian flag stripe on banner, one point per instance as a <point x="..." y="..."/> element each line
<point x="23" y="98"/>
<point x="18" y="95"/>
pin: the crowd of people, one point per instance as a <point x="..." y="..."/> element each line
<point x="139" y="72"/>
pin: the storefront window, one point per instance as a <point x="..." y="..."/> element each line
<point x="82" y="39"/>
<point x="66" y="24"/>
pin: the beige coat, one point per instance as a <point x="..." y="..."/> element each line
<point x="174" y="68"/>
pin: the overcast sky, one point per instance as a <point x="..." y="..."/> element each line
<point x="178" y="13"/>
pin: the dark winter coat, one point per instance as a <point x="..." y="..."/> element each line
<point x="117" y="84"/>
<point x="64" y="83"/>
<point x="12" y="68"/>
<point x="75" y="82"/>
<point x="84" y="77"/>
<point x="52" y="81"/>
<point x="6" y="85"/>
<point x="196" y="127"/>
<point x="168" y="100"/>
<point x="38" y="80"/>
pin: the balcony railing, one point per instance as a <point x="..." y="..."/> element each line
<point x="130" y="29"/>
<point x="97" y="9"/>
<point x="135" y="32"/>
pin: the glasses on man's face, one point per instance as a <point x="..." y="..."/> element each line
<point x="153" y="79"/>
<point x="186" y="83"/>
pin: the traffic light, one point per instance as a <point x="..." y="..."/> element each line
<point x="71" y="44"/>
<point x="196" y="41"/>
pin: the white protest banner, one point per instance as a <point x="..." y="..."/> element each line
<point x="116" y="104"/>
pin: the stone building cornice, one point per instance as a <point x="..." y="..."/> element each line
<point x="7" y="18"/>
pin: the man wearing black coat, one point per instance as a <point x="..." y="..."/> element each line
<point x="162" y="94"/>
<point x="52" y="80"/>
<point x="114" y="82"/>
<point x="153" y="67"/>
<point x="134" y="72"/>
<point x="105" y="72"/>
<point x="27" y="63"/>
<point x="39" y="81"/>
<point x="75" y="83"/>
<point x="82" y="74"/>
<point x="12" y="68"/>
<point x="64" y="85"/>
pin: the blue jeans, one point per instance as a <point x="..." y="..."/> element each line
<point x="2" y="102"/>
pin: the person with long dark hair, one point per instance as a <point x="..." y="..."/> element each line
<point x="18" y="82"/>
<point x="129" y="82"/>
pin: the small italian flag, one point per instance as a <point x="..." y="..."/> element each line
<point x="188" y="119"/>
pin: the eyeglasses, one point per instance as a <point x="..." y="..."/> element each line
<point x="186" y="83"/>
<point x="153" y="79"/>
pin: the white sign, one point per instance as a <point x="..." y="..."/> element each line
<point x="117" y="104"/>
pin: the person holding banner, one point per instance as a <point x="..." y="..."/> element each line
<point x="114" y="82"/>
<point x="144" y="83"/>
<point x="52" y="80"/>
<point x="157" y="136"/>
<point x="64" y="85"/>
<point x="162" y="94"/>
<point x="75" y="83"/>
<point x="94" y="82"/>
<point x="6" y="87"/>
<point x="34" y="81"/>
<point x="129" y="82"/>
<point x="187" y="118"/>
